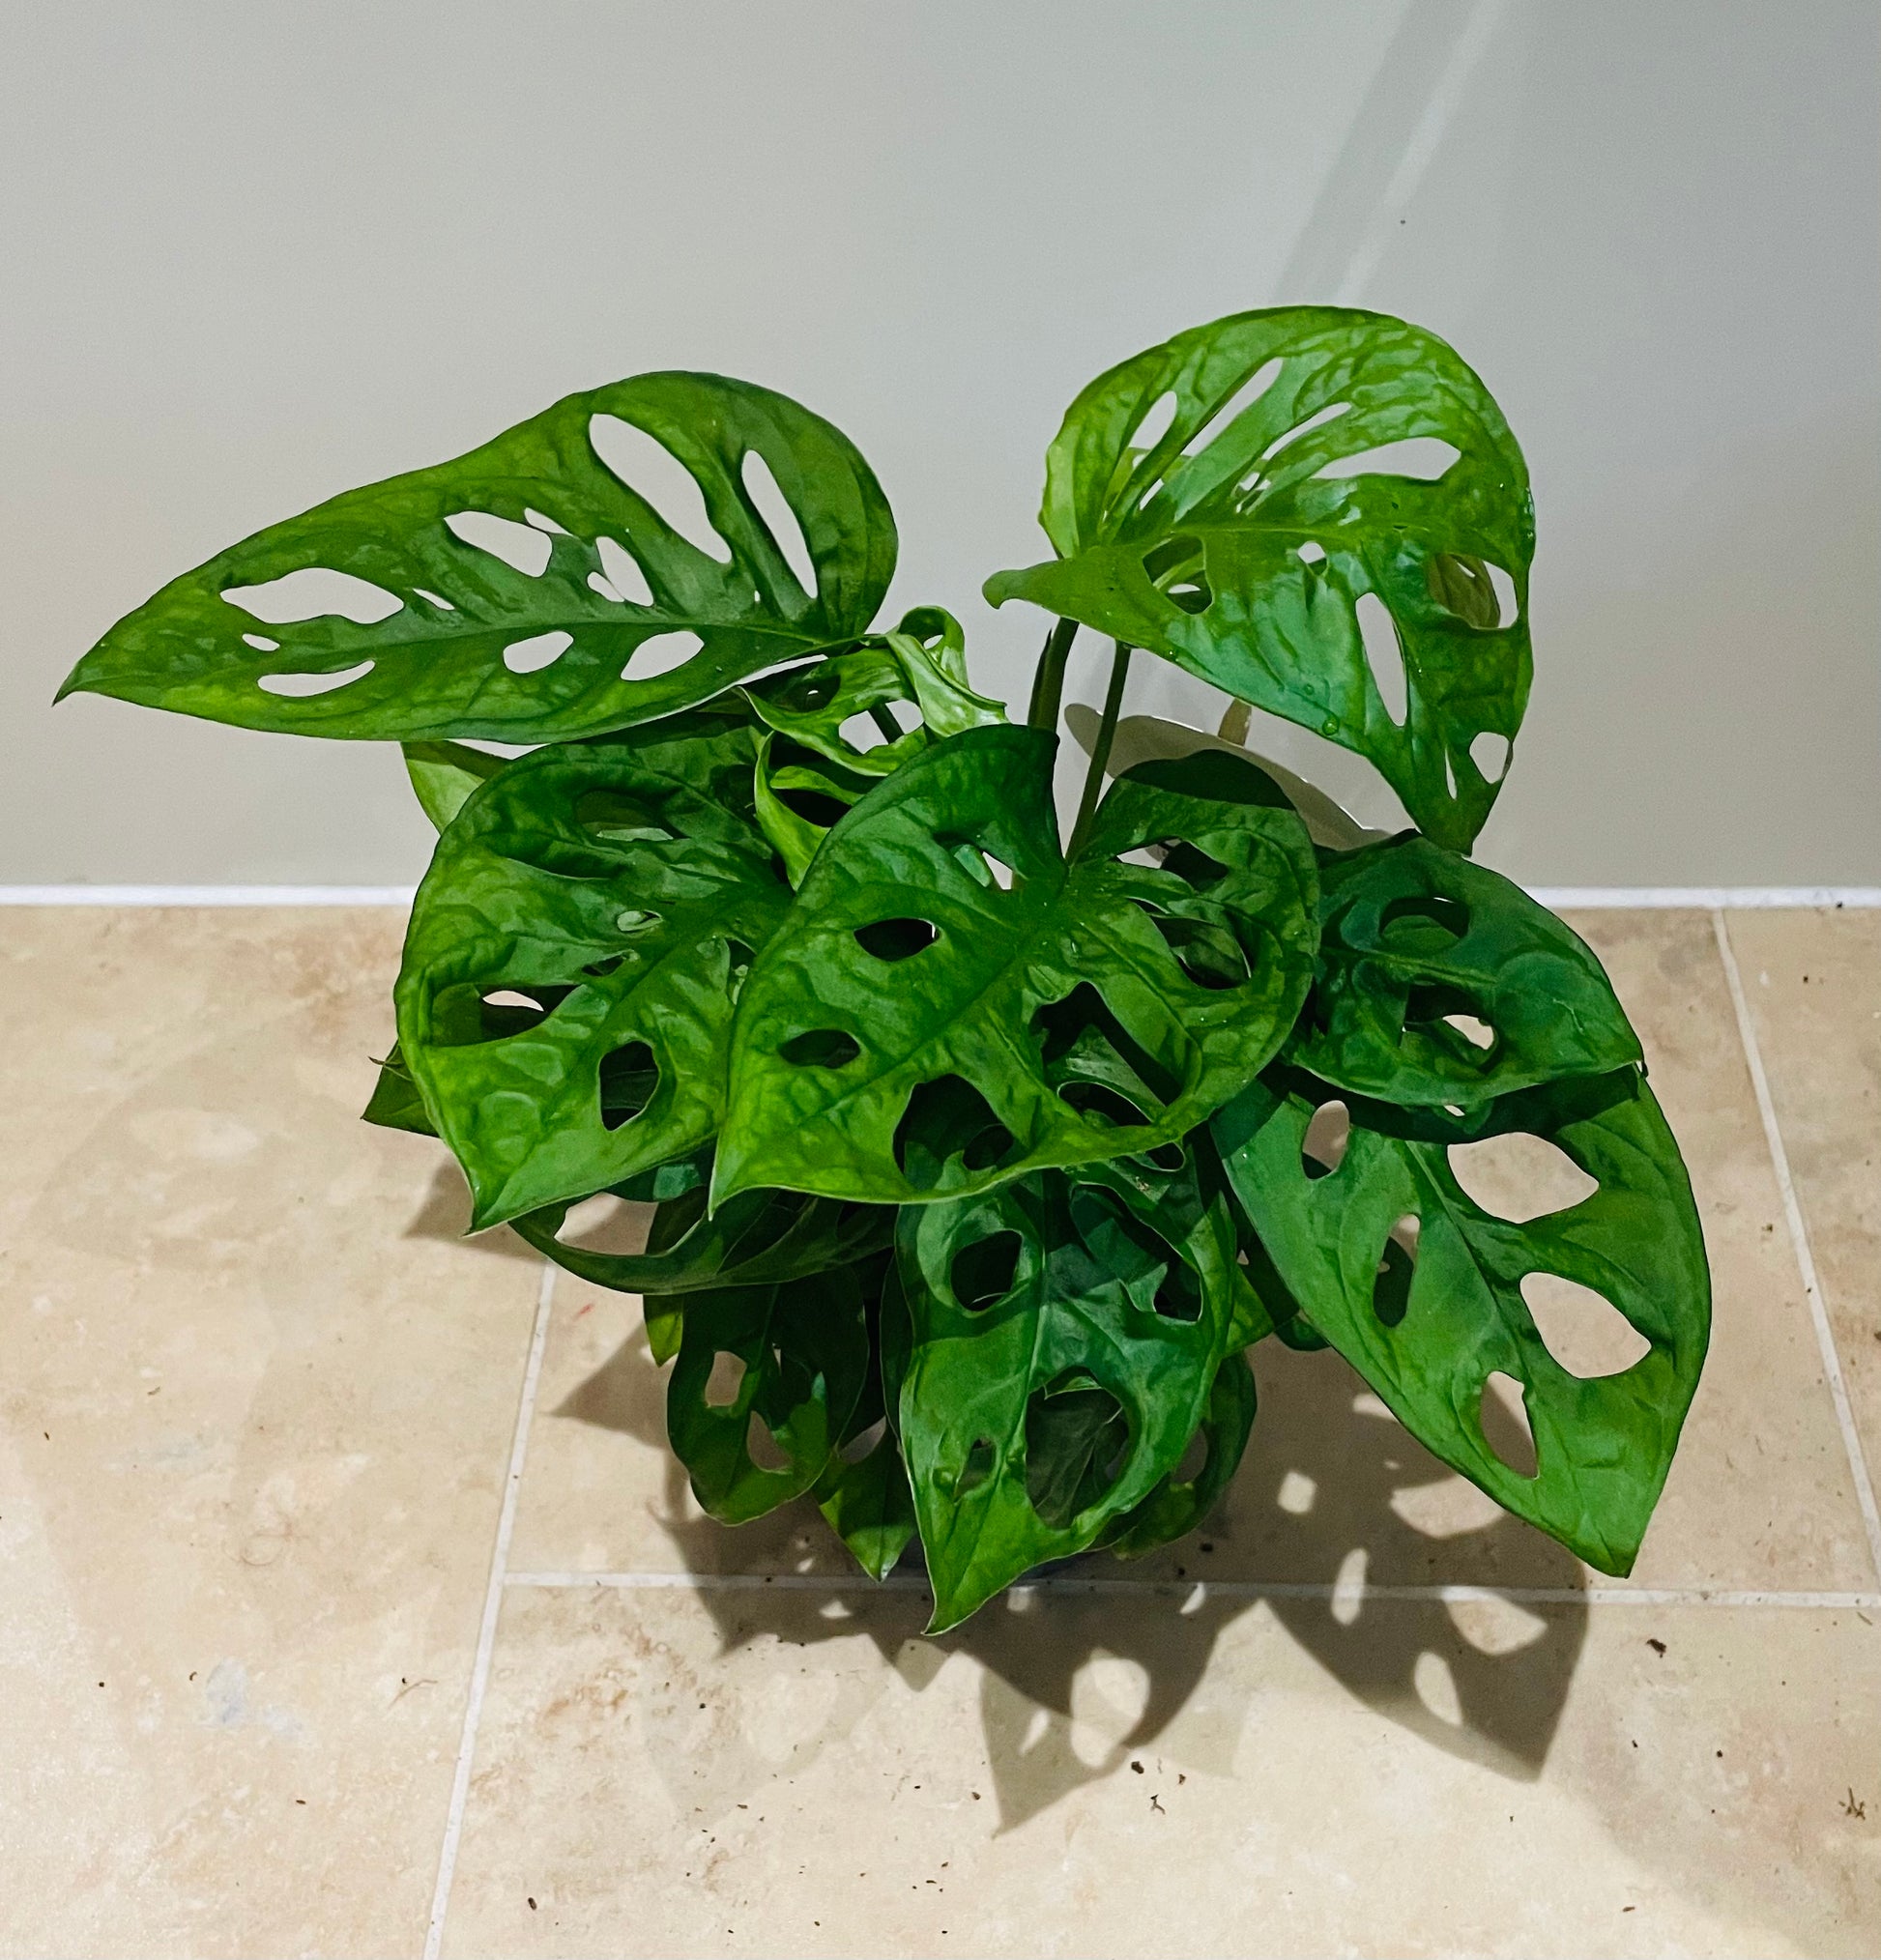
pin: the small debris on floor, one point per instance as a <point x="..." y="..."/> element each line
<point x="1657" y="1646"/>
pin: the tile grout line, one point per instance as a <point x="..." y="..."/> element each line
<point x="1800" y="1242"/>
<point x="1256" y="1588"/>
<point x="453" y="1828"/>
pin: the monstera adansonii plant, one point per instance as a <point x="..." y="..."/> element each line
<point x="966" y="1159"/>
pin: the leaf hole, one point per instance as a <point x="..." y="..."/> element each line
<point x="821" y="1048"/>
<point x="1478" y="1033"/>
<point x="1422" y="923"/>
<point x="1101" y="1105"/>
<point x="983" y="1273"/>
<point x="979" y="863"/>
<point x="780" y="519"/>
<point x="1328" y="1134"/>
<point x="1205" y="950"/>
<point x="1311" y="551"/>
<point x="815" y="806"/>
<point x="1491" y="752"/>
<point x="442" y="605"/>
<point x="520" y="546"/>
<point x="894" y="940"/>
<point x="315" y="592"/>
<point x="606" y="1223"/>
<point x="261" y="643"/>
<point x="1076" y="1441"/>
<point x="1194" y="1459"/>
<point x="1383" y="655"/>
<point x="303" y="687"/>
<point x="531" y="656"/>
<point x="1582" y="1329"/>
<point x="1317" y="421"/>
<point x="1245" y="396"/>
<point x="659" y="653"/>
<point x="863" y="732"/>
<point x="623" y="573"/>
<point x="761" y="1446"/>
<point x="948" y="1120"/>
<point x="659" y="479"/>
<point x="1423" y="457"/>
<point x="1156" y="421"/>
<point x="978" y="1467"/>
<point x="1080" y="1040"/>
<point x="725" y="1380"/>
<point x="1508" y="607"/>
<point x="1503" y="1414"/>
<point x="1396" y="1267"/>
<point x="1519" y="1177"/>
<point x="628" y="1078"/>
<point x="857" y="1447"/>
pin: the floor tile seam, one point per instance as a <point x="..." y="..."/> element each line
<point x="1800" y="1241"/>
<point x="1736" y="1597"/>
<point x="493" y="1594"/>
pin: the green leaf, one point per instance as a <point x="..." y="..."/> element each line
<point x="863" y="1491"/>
<point x="1180" y="1504"/>
<point x="446" y="774"/>
<point x="617" y="891"/>
<point x="455" y="641"/>
<point x="1414" y="940"/>
<point x="1065" y="1333"/>
<point x="1237" y="545"/>
<point x="1427" y="1329"/>
<point x="802" y="1348"/>
<point x="754" y="1239"/>
<point x="396" y="1103"/>
<point x="945" y="972"/>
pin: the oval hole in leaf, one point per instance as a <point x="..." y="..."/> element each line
<point x="1311" y="551"/>
<point x="432" y="599"/>
<point x="623" y="574"/>
<point x="821" y="1048"/>
<point x="1101" y="1105"/>
<point x="727" y="1378"/>
<point x="315" y="592"/>
<point x="1424" y="923"/>
<point x="1077" y="1436"/>
<point x="1397" y="1266"/>
<point x="761" y="1446"/>
<point x="1329" y="414"/>
<point x="977" y="1468"/>
<point x="629" y="1077"/>
<point x="659" y="653"/>
<point x="261" y="643"/>
<point x="300" y="686"/>
<point x="982" y="1273"/>
<point x="520" y="546"/>
<point x="945" y="1119"/>
<point x="814" y="806"/>
<point x="1584" y="1331"/>
<point x="1423" y="457"/>
<point x="780" y="519"/>
<point x="1328" y="1133"/>
<point x="1519" y="1177"/>
<point x="1504" y="1416"/>
<point x="1491" y="752"/>
<point x="865" y="1445"/>
<point x="542" y="649"/>
<point x="655" y="474"/>
<point x="1245" y="396"/>
<point x="863" y="732"/>
<point x="1155" y="424"/>
<point x="894" y="940"/>
<point x="606" y="1223"/>
<point x="1508" y="607"/>
<point x="1383" y="655"/>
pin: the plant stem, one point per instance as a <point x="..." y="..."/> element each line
<point x="1047" y="679"/>
<point x="1100" y="750"/>
<point x="884" y="718"/>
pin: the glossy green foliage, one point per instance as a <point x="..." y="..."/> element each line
<point x="956" y="1161"/>
<point x="1421" y="1288"/>
<point x="574" y="956"/>
<point x="1066" y="1334"/>
<point x="1239" y="536"/>
<point x="947" y="969"/>
<point x="1441" y="982"/>
<point x="486" y="594"/>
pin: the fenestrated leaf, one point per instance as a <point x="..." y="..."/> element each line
<point x="462" y="639"/>
<point x="1427" y="1329"/>
<point x="1076" y="1011"/>
<point x="803" y="1348"/>
<point x="1416" y="944"/>
<point x="615" y="891"/>
<point x="446" y="775"/>
<point x="1240" y="541"/>
<point x="1180" y="1504"/>
<point x="863" y="1491"/>
<point x="1066" y="1332"/>
<point x="753" y="1239"/>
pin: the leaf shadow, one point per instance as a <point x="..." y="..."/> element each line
<point x="445" y="1215"/>
<point x="1094" y="1664"/>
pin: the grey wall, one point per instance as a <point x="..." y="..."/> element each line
<point x="257" y="254"/>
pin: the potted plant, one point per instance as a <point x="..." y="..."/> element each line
<point x="986" y="1154"/>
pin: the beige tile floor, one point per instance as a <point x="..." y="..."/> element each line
<point x="352" y="1606"/>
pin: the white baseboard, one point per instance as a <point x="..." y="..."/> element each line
<point x="1560" y="898"/>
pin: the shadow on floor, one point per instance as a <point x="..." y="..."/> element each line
<point x="1080" y="1679"/>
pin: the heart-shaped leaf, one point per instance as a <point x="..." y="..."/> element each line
<point x="573" y="958"/>
<point x="946" y="974"/>
<point x="1291" y="486"/>
<point x="1066" y="1332"/>
<point x="782" y="1367"/>
<point x="1441" y="982"/>
<point x="1422" y="1289"/>
<point x="526" y="592"/>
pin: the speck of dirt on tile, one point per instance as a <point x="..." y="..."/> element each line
<point x="1657" y="1646"/>
<point x="1135" y="1766"/>
<point x="529" y="1902"/>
